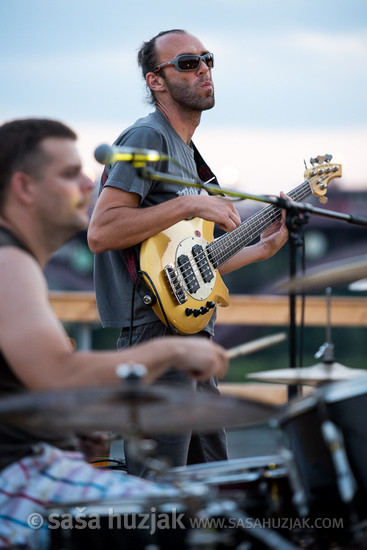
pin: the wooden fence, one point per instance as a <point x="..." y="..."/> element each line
<point x="80" y="307"/>
<point x="262" y="310"/>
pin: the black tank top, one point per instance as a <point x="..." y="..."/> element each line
<point x="17" y="442"/>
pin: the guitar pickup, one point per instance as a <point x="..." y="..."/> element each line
<point x="176" y="287"/>
<point x="203" y="263"/>
<point x="188" y="274"/>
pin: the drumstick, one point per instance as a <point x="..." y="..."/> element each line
<point x="256" y="345"/>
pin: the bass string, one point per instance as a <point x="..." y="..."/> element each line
<point x="226" y="246"/>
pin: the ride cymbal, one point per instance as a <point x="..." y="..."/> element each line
<point x="309" y="376"/>
<point x="332" y="274"/>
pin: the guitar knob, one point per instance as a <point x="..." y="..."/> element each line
<point x="197" y="312"/>
<point x="210" y="305"/>
<point x="204" y="310"/>
<point x="189" y="311"/>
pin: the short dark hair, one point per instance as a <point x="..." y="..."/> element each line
<point x="147" y="58"/>
<point x="20" y="149"/>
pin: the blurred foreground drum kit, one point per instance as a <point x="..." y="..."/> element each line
<point x="311" y="495"/>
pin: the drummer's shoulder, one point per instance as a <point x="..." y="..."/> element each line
<point x="19" y="268"/>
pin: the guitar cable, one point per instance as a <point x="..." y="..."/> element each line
<point x="140" y="273"/>
<point x="155" y="292"/>
<point x="132" y="314"/>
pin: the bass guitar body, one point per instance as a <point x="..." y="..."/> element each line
<point x="182" y="277"/>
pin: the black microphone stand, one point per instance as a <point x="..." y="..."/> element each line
<point x="295" y="223"/>
<point x="297" y="217"/>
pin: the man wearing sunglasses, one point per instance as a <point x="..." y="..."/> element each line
<point x="177" y="69"/>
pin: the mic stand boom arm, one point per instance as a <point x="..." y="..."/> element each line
<point x="148" y="173"/>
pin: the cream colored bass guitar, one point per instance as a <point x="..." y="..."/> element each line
<point x="182" y="262"/>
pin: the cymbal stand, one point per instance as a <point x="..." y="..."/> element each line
<point x="140" y="448"/>
<point x="326" y="351"/>
<point x="345" y="480"/>
<point x="346" y="483"/>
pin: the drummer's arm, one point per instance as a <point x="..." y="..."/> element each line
<point x="38" y="349"/>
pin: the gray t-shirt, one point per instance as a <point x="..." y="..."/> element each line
<point x="113" y="284"/>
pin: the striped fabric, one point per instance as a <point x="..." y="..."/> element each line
<point x="52" y="476"/>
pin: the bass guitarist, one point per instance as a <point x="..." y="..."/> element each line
<point x="177" y="69"/>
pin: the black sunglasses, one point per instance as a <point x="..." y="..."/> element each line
<point x="188" y="62"/>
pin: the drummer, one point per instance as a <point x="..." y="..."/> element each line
<point x="44" y="202"/>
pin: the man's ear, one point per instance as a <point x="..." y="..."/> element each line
<point x="23" y="187"/>
<point x="155" y="82"/>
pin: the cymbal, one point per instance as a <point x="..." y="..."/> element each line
<point x="130" y="411"/>
<point x="334" y="273"/>
<point x="309" y="376"/>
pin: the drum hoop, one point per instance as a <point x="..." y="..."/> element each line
<point x="331" y="393"/>
<point x="229" y="466"/>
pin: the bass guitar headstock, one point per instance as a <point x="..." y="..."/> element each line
<point x="320" y="174"/>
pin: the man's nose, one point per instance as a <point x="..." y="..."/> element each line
<point x="203" y="67"/>
<point x="86" y="182"/>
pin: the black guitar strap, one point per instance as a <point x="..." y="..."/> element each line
<point x="204" y="172"/>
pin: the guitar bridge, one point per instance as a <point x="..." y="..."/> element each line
<point x="176" y="287"/>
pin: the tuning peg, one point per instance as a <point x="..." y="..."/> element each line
<point x="321" y="159"/>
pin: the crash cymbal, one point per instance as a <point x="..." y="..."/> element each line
<point x="131" y="411"/>
<point x="332" y="274"/>
<point x="309" y="376"/>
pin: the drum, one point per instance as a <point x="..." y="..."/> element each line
<point x="259" y="485"/>
<point x="327" y="433"/>
<point x="129" y="523"/>
<point x="203" y="516"/>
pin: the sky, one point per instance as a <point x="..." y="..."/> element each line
<point x="290" y="79"/>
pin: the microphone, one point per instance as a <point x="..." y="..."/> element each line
<point x="104" y="154"/>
